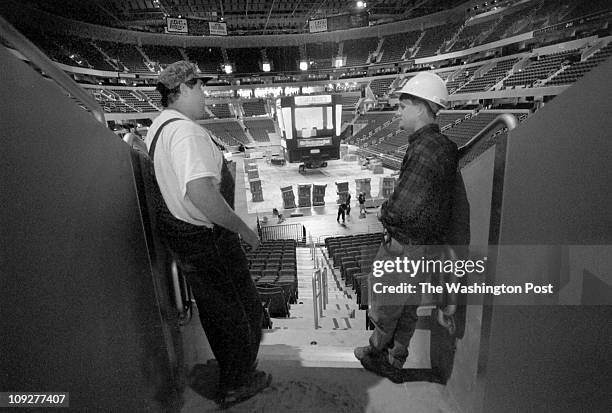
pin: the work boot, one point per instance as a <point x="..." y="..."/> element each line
<point x="257" y="382"/>
<point x="376" y="362"/>
<point x="366" y="351"/>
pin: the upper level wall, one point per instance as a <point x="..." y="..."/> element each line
<point x="17" y="12"/>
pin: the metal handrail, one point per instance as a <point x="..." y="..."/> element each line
<point x="319" y="294"/>
<point x="17" y="40"/>
<point x="506" y="119"/>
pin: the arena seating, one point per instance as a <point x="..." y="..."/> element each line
<point x="153" y="96"/>
<point x="164" y="55"/>
<point x="50" y="45"/>
<point x="136" y="99"/>
<point x="81" y="52"/>
<point x="433" y="38"/>
<point x="254" y="107"/>
<point x="507" y="27"/>
<point x="273" y="267"/>
<point x="321" y="54"/>
<point x="245" y="60"/>
<point x="461" y="77"/>
<point x="447" y="118"/>
<point x="353" y="256"/>
<point x="464" y="131"/>
<point x="260" y="128"/>
<point x="284" y="59"/>
<point x="577" y="70"/>
<point x="538" y="69"/>
<point x="127" y="54"/>
<point x="468" y="35"/>
<point x="358" y="50"/>
<point x="377" y="139"/>
<point x="347" y="116"/>
<point x="349" y="101"/>
<point x="220" y="110"/>
<point x="228" y="131"/>
<point x="208" y="59"/>
<point x="490" y="78"/>
<point x="583" y="8"/>
<point x="373" y="121"/>
<point x="381" y="86"/>
<point x="394" y="46"/>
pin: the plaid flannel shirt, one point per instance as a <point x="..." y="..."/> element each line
<point x="418" y="211"/>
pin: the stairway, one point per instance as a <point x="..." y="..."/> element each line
<point x="314" y="370"/>
<point x="341" y="313"/>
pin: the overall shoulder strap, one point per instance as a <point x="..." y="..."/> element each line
<point x="154" y="142"/>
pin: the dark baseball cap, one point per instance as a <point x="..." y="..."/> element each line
<point x="180" y="72"/>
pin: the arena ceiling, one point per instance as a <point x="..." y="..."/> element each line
<point x="241" y="16"/>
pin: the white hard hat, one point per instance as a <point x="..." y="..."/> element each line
<point x="427" y="86"/>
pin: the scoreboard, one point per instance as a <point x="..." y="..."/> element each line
<point x="310" y="127"/>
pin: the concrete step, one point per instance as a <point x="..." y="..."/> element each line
<point x="324" y="348"/>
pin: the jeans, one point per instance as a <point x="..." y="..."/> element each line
<point x="229" y="306"/>
<point x="394" y="318"/>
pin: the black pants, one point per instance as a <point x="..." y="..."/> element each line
<point x="228" y="302"/>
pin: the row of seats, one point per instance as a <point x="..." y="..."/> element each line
<point x="353" y="256"/>
<point x="254" y="107"/>
<point x="228" y="131"/>
<point x="273" y="269"/>
<point x="260" y="128"/>
<point x="539" y="69"/>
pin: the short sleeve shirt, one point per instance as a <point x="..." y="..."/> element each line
<point x="184" y="152"/>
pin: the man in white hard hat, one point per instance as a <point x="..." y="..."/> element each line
<point x="416" y="218"/>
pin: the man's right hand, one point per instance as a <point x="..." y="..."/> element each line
<point x="251" y="238"/>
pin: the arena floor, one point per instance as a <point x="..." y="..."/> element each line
<point x="320" y="220"/>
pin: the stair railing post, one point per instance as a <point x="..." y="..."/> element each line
<point x="325" y="295"/>
<point x="320" y="295"/>
<point x="314" y="299"/>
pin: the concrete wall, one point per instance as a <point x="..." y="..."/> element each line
<point x="79" y="299"/>
<point x="556" y="209"/>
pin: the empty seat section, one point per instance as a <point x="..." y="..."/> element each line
<point x="228" y="131"/>
<point x="395" y="45"/>
<point x="358" y="50"/>
<point x="260" y="128"/>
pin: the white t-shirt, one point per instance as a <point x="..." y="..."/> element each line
<point x="184" y="152"/>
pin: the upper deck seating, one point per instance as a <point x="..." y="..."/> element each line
<point x="433" y="38"/>
<point x="127" y="54"/>
<point x="208" y="59"/>
<point x="538" y="69"/>
<point x="358" y="50"/>
<point x="321" y="53"/>
<point x="395" y="45"/>
<point x="164" y="55"/>
<point x="469" y="34"/>
<point x="577" y="70"/>
<point x="490" y="78"/>
<point x="460" y="78"/>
